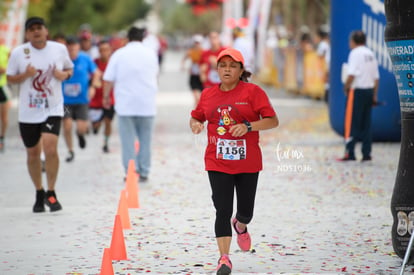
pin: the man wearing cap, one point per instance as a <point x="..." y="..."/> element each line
<point x="235" y="111"/>
<point x="39" y="67"/>
<point x="76" y="93"/>
<point x="87" y="45"/>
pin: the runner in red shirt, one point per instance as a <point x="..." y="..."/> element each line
<point x="208" y="61"/>
<point x="97" y="113"/>
<point x="235" y="111"/>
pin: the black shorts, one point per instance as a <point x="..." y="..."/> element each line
<point x="76" y="111"/>
<point x="109" y="113"/>
<point x="195" y="83"/>
<point x="3" y="96"/>
<point x="31" y="132"/>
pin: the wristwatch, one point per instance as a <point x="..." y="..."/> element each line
<point x="249" y="126"/>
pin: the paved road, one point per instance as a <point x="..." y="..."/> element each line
<point x="313" y="215"/>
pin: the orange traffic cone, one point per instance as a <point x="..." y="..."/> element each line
<point x="106" y="267"/>
<point x="123" y="210"/>
<point x="131" y="176"/>
<point x="132" y="185"/>
<point x="118" y="250"/>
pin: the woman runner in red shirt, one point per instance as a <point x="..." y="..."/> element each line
<point x="235" y="111"/>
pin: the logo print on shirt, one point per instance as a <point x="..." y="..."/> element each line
<point x="225" y="117"/>
<point x="41" y="82"/>
<point x="26" y="53"/>
<point x="221" y="130"/>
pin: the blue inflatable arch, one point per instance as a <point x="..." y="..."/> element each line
<point x="369" y="16"/>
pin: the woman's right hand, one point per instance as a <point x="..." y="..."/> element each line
<point x="196" y="126"/>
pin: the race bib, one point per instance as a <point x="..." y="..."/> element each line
<point x="72" y="89"/>
<point x="231" y="149"/>
<point x="39" y="102"/>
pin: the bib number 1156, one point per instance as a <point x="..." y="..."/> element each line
<point x="230" y="149"/>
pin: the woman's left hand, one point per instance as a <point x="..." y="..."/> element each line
<point x="238" y="130"/>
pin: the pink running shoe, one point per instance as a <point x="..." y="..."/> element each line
<point x="243" y="239"/>
<point x="224" y="265"/>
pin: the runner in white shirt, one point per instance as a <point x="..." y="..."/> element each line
<point x="39" y="67"/>
<point x="361" y="88"/>
<point x="132" y="71"/>
<point x="42" y="91"/>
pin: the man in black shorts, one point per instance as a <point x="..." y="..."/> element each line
<point x="39" y="67"/>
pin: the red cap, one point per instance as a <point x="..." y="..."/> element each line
<point x="233" y="53"/>
<point x="85" y="35"/>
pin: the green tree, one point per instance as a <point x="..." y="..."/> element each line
<point x="40" y="8"/>
<point x="104" y="16"/>
<point x="182" y="20"/>
<point x="122" y="14"/>
<point x="296" y="13"/>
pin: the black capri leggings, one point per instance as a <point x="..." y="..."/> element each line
<point x="222" y="186"/>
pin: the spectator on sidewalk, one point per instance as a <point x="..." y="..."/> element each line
<point x="40" y="66"/>
<point x="235" y="112"/>
<point x="281" y="51"/>
<point x="97" y="113"/>
<point x="76" y="93"/>
<point x="323" y="50"/>
<point x="242" y="43"/>
<point x="361" y="87"/>
<point x="132" y="72"/>
<point x="194" y="55"/>
<point x="4" y="100"/>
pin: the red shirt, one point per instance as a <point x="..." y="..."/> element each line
<point x="96" y="100"/>
<point x="222" y="109"/>
<point x="212" y="74"/>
